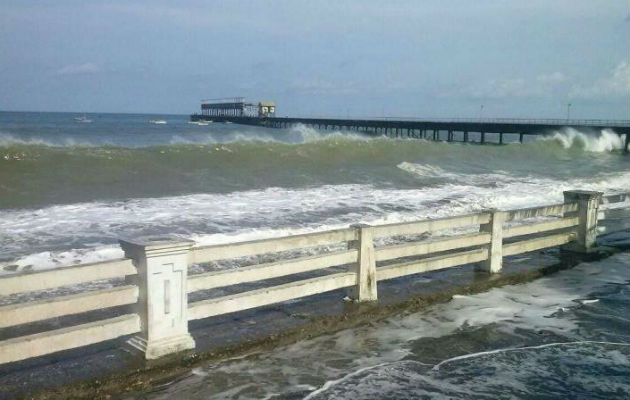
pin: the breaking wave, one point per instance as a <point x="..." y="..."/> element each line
<point x="298" y="134"/>
<point x="87" y="232"/>
<point x="254" y="183"/>
<point x="604" y="141"/>
<point x="591" y="141"/>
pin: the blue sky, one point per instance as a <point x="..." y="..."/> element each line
<point x="335" y="58"/>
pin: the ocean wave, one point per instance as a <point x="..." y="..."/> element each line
<point x="32" y="172"/>
<point x="84" y="232"/>
<point x="597" y="142"/>
<point x="433" y="171"/>
<point x="567" y="138"/>
<point x="295" y="135"/>
<point x="11" y="140"/>
<point x="301" y="144"/>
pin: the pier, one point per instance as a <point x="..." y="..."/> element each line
<point x="450" y="130"/>
<point x="153" y="297"/>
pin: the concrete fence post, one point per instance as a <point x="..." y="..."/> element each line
<point x="162" y="265"/>
<point x="494" y="227"/>
<point x="365" y="289"/>
<point x="588" y="207"/>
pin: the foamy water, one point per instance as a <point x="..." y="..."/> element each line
<point x="603" y="141"/>
<point x="606" y="141"/>
<point x="87" y="232"/>
<point x="70" y="191"/>
<point x="561" y="336"/>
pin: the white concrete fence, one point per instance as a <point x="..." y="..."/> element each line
<point x="158" y="285"/>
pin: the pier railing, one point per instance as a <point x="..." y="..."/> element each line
<point x="153" y="288"/>
<point x="524" y="121"/>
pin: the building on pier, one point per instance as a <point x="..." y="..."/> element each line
<point x="266" y="109"/>
<point x="237" y="107"/>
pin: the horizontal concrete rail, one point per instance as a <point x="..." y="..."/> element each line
<point x="539" y="227"/>
<point x="610" y="226"/>
<point x="525" y="246"/>
<point x="32" y="281"/>
<point x="243" y="249"/>
<point x="39" y="344"/>
<point x="259" y="272"/>
<point x="431" y="264"/>
<point x="431" y="225"/>
<point x="431" y="246"/>
<point x="270" y="295"/>
<point x="614" y="213"/>
<point x="555" y="209"/>
<point x="615" y="198"/>
<point x="22" y="313"/>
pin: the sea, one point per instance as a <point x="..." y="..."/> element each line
<point x="69" y="189"/>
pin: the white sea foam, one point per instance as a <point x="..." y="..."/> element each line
<point x="604" y="141"/>
<point x="308" y="134"/>
<point x="211" y="138"/>
<point x="529" y="307"/>
<point x="68" y="234"/>
<point x="584" y="368"/>
<point x="7" y="139"/>
<point x="434" y="171"/>
<point x="54" y="259"/>
<point x="297" y="134"/>
<point x="365" y="361"/>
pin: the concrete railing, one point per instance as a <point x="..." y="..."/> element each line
<point x="38" y="344"/>
<point x="525" y="121"/>
<point x="614" y="213"/>
<point x="157" y="281"/>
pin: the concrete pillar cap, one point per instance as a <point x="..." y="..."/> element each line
<point x="582" y="194"/>
<point x="151" y="244"/>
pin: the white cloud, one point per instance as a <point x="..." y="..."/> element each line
<point x="615" y="84"/>
<point x="552" y="79"/>
<point x="505" y="87"/>
<point x="324" y="87"/>
<point x="543" y="85"/>
<point x="78" y="69"/>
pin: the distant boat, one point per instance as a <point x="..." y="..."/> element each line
<point x="83" y="119"/>
<point x="158" y="121"/>
<point x="200" y="122"/>
<point x="228" y="122"/>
